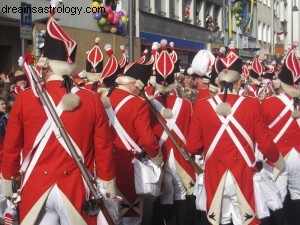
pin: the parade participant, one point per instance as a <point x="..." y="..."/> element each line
<point x="185" y="88"/>
<point x="133" y="116"/>
<point x="3" y="124"/>
<point x="225" y="129"/>
<point x="94" y="66"/>
<point x="110" y="71"/>
<point x="202" y="67"/>
<point x="213" y="87"/>
<point x="52" y="189"/>
<point x="267" y="77"/>
<point x="150" y="89"/>
<point x="123" y="61"/>
<point x="282" y="115"/>
<point x="255" y="75"/>
<point x="177" y="200"/>
<point x="246" y="89"/>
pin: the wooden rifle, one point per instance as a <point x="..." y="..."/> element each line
<point x="91" y="206"/>
<point x="185" y="155"/>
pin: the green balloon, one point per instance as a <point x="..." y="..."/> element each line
<point x="236" y="15"/>
<point x="102" y="21"/>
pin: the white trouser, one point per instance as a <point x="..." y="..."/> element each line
<point x="289" y="178"/>
<point x="129" y="220"/>
<point x="172" y="187"/>
<point x="230" y="207"/>
<point x="54" y="211"/>
<point x="3" y="203"/>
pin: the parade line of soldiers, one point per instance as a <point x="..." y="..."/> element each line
<point x="215" y="143"/>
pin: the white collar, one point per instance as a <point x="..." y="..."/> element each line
<point x="54" y="77"/>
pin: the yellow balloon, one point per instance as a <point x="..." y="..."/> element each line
<point x="95" y="4"/>
<point x="106" y="27"/>
<point x="237" y="22"/>
<point x="124" y="19"/>
<point x="240" y="18"/>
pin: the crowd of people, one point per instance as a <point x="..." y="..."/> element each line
<point x="238" y="122"/>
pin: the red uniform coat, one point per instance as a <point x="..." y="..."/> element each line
<point x="134" y="116"/>
<point x="272" y="107"/>
<point x="87" y="126"/>
<point x="187" y="175"/>
<point x="226" y="156"/>
<point x="203" y="94"/>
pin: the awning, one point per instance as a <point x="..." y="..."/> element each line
<point x="180" y="44"/>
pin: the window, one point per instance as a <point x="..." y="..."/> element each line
<point x="269" y="34"/>
<point x="175" y="9"/>
<point x="259" y="31"/>
<point x="264" y="32"/>
<point x="146" y="5"/>
<point x="275" y="37"/>
<point x="188" y="11"/>
<point x="161" y="8"/>
<point x="200" y="13"/>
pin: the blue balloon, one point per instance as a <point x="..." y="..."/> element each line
<point x="97" y="16"/>
<point x="120" y="29"/>
<point x="120" y="23"/>
<point x="121" y="13"/>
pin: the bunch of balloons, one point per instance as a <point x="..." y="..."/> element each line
<point x="108" y="20"/>
<point x="239" y="12"/>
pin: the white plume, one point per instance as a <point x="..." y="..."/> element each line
<point x="203" y="62"/>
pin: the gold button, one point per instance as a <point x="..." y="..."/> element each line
<point x="220" y="159"/>
<point x="46" y="172"/>
<point x="235" y="159"/>
<point x="66" y="172"/>
<point x="285" y="141"/>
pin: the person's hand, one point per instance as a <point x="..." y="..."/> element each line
<point x="5" y="78"/>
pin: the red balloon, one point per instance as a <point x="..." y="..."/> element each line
<point x="110" y="16"/>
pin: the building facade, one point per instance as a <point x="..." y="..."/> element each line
<point x="191" y="24"/>
<point x="74" y="15"/>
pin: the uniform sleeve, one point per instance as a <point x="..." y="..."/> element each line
<point x="264" y="139"/>
<point x="13" y="143"/>
<point x="104" y="149"/>
<point x="195" y="137"/>
<point x="147" y="139"/>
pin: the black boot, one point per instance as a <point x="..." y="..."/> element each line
<point x="168" y="213"/>
<point x="203" y="218"/>
<point x="295" y="212"/>
<point x="181" y="212"/>
<point x="266" y="221"/>
<point x="157" y="217"/>
<point x="192" y="215"/>
<point x="277" y="217"/>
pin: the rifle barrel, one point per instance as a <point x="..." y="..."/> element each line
<point x="185" y="155"/>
